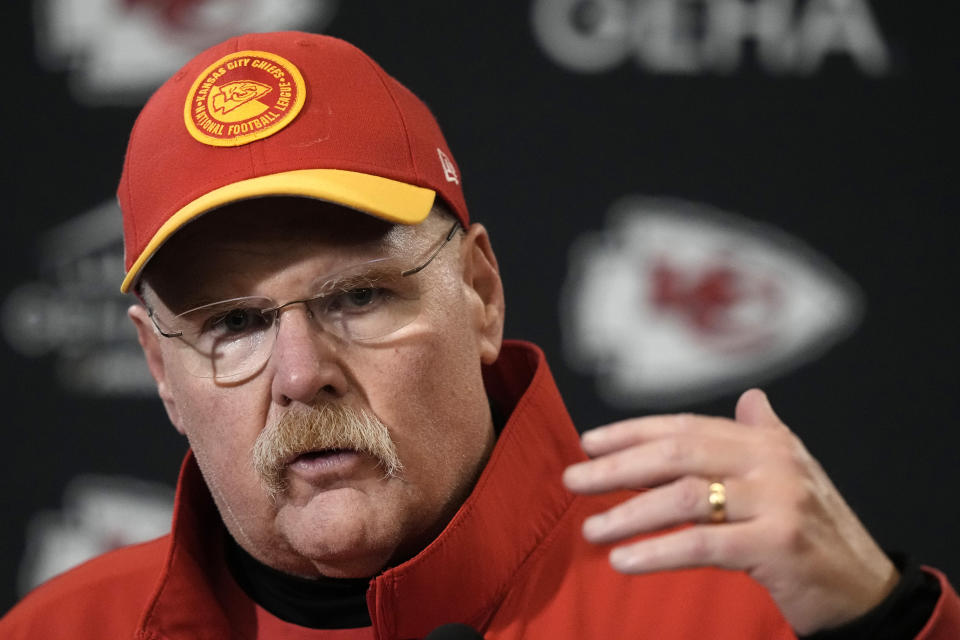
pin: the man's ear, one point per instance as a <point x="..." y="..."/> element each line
<point x="482" y="278"/>
<point x="150" y="343"/>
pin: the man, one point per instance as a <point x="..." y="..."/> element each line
<point x="369" y="460"/>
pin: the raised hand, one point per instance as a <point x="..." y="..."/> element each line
<point x="782" y="520"/>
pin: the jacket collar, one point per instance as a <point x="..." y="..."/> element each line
<point x="462" y="576"/>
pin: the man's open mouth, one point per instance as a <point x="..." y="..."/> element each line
<point x="320" y="454"/>
<point x="322" y="460"/>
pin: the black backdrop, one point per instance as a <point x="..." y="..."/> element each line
<point x="857" y="163"/>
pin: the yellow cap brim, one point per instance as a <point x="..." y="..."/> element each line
<point x="390" y="200"/>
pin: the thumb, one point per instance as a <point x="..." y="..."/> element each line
<point x="753" y="408"/>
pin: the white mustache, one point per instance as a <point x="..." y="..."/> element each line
<point x="315" y="428"/>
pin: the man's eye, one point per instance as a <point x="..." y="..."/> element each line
<point x="360" y="297"/>
<point x="357" y="300"/>
<point x="238" y="321"/>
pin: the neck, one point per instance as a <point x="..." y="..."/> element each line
<point x="316" y="603"/>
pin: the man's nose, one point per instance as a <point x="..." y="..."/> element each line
<point x="306" y="360"/>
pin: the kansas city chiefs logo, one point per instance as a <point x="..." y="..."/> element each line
<point x="677" y="302"/>
<point x="118" y="51"/>
<point x="99" y="513"/>
<point x="227" y="97"/>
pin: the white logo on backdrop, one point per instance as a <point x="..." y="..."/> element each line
<point x="76" y="312"/>
<point x="676" y="302"/>
<point x="118" y="51"/>
<point x="709" y="36"/>
<point x="100" y="513"/>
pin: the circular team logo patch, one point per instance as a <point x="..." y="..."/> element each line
<point x="243" y="97"/>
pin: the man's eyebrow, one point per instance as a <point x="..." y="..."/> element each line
<point x="193" y="301"/>
<point x="364" y="273"/>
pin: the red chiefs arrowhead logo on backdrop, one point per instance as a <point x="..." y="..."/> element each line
<point x="677" y="302"/>
<point x="99" y="514"/>
<point x="118" y="51"/>
<point x="711" y="298"/>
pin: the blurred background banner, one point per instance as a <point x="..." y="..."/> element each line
<point x="686" y="197"/>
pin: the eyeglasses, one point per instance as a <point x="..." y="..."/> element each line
<point x="235" y="337"/>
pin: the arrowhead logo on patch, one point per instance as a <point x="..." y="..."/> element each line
<point x="227" y="97"/>
<point x="677" y="302"/>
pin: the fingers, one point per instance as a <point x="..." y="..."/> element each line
<point x="730" y="546"/>
<point x="657" y="462"/>
<point x="683" y="501"/>
<point x="647" y="452"/>
<point x="754" y="409"/>
<point x="620" y="435"/>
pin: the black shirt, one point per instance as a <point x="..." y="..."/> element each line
<point x="340" y="603"/>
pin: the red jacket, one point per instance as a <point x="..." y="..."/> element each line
<point x="511" y="563"/>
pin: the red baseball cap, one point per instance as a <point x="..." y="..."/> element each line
<point x="280" y="114"/>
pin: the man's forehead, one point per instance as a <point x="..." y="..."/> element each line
<point x="256" y="235"/>
<point x="283" y="217"/>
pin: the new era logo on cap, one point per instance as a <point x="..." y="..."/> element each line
<point x="449" y="171"/>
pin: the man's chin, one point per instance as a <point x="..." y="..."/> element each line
<point x="344" y="531"/>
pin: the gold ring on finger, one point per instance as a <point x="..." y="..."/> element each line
<point x="717" y="498"/>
